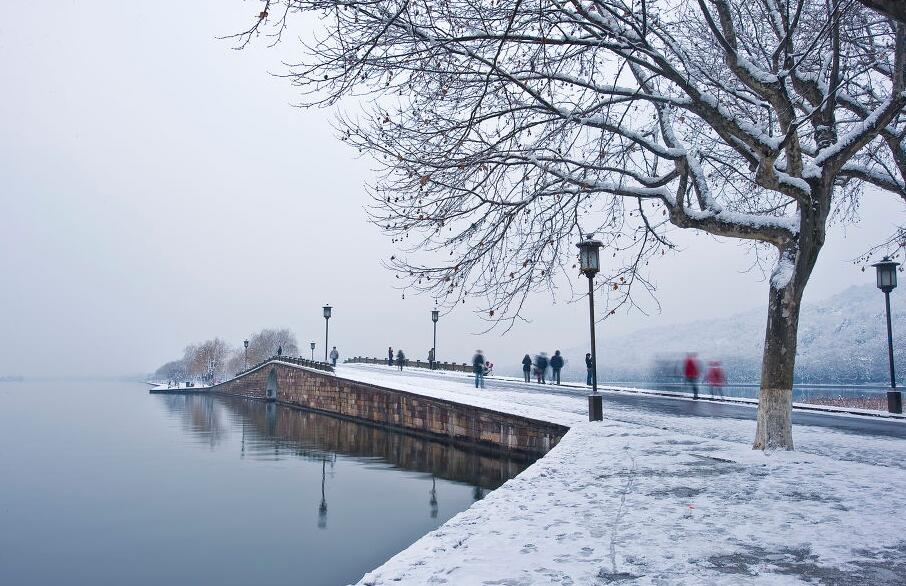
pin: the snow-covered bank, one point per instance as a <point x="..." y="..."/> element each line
<point x="649" y="498"/>
<point x="628" y="503"/>
<point x="162" y="387"/>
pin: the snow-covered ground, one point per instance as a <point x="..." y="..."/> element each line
<point x="179" y="386"/>
<point x="648" y="498"/>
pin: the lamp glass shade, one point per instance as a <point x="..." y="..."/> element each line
<point x="435" y="315"/>
<point x="327" y="310"/>
<point x="589" y="262"/>
<point x="245" y="343"/>
<point x="312" y="345"/>
<point x="887" y="274"/>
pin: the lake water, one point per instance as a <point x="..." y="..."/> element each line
<point x="103" y="483"/>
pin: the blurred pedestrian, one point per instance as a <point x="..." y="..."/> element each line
<point x="715" y="378"/>
<point x="390" y="356"/>
<point x="691" y="370"/>
<point x="478" y="367"/>
<point x="589" y="368"/>
<point x="541" y="363"/>
<point x="400" y="358"/>
<point x="280" y="350"/>
<point x="556" y="366"/>
<point x="333" y="356"/>
<point x="526" y="367"/>
<point x="431" y="358"/>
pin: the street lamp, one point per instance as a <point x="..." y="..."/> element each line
<point x="312" y="351"/>
<point x="435" y="315"/>
<point x="246" y="344"/>
<point x="887" y="282"/>
<point x="327" y="310"/>
<point x="589" y="264"/>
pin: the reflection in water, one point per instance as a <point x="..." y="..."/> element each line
<point x="433" y="500"/>
<point x="150" y="489"/>
<point x="198" y="416"/>
<point x="273" y="432"/>
<point x="322" y="508"/>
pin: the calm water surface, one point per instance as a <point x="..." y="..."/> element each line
<point x="102" y="483"/>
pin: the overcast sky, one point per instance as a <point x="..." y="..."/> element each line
<point x="158" y="188"/>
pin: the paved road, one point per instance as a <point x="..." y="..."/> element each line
<point x="682" y="407"/>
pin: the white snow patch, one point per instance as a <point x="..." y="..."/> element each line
<point x="651" y="498"/>
<point x="783" y="271"/>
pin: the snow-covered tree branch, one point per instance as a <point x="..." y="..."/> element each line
<point x="507" y="128"/>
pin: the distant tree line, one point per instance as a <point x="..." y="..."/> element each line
<point x="216" y="359"/>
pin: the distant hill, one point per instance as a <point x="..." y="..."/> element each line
<point x="842" y="340"/>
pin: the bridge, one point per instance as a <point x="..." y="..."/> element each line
<point x="302" y="384"/>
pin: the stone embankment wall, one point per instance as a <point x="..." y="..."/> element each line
<point x="321" y="391"/>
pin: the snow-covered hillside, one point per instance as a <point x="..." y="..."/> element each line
<point x="842" y="339"/>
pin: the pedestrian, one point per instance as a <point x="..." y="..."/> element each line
<point x="431" y="358"/>
<point x="589" y="368"/>
<point x="333" y="356"/>
<point x="526" y="367"/>
<point x="280" y="350"/>
<point x="715" y="378"/>
<point x="556" y="365"/>
<point x="541" y="364"/>
<point x="690" y="373"/>
<point x="390" y="356"/>
<point x="478" y="367"/>
<point x="400" y="358"/>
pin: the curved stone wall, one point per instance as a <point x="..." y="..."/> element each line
<point x="325" y="392"/>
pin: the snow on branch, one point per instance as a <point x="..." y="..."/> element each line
<point x="504" y="129"/>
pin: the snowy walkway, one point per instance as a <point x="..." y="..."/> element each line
<point x="648" y="498"/>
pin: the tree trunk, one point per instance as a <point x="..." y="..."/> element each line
<point x="775" y="398"/>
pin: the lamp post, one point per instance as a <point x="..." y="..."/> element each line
<point x="327" y="310"/>
<point x="887" y="282"/>
<point x="312" y="351"/>
<point x="589" y="265"/>
<point x="246" y="344"/>
<point x="435" y="315"/>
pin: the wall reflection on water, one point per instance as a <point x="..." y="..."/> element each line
<point x="272" y="432"/>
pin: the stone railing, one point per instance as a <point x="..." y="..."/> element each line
<point x="292" y="360"/>
<point x="463" y="367"/>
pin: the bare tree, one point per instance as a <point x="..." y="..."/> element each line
<point x="175" y="370"/>
<point x="507" y="128"/>
<point x="208" y="359"/>
<point x="264" y="344"/>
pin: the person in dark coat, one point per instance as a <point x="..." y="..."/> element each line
<point x="526" y="366"/>
<point x="390" y="356"/>
<point x="400" y="358"/>
<point x="589" y="367"/>
<point x="478" y="368"/>
<point x="556" y="365"/>
<point x="280" y="350"/>
<point x="541" y="364"/>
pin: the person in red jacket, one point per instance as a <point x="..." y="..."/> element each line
<point x="691" y="371"/>
<point x="715" y="378"/>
